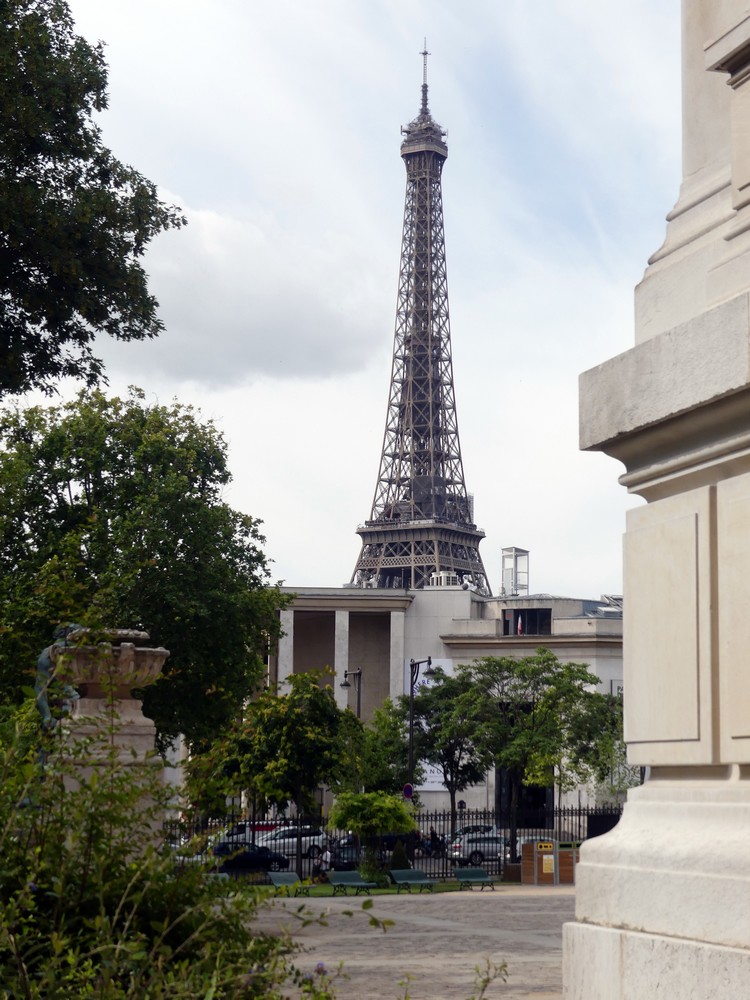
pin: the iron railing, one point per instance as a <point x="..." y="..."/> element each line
<point x="434" y="848"/>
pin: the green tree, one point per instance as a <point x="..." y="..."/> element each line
<point x="369" y="814"/>
<point x="111" y="513"/>
<point x="539" y="720"/>
<point x="348" y="774"/>
<point x="449" y="732"/>
<point x="74" y="221"/>
<point x="597" y="729"/>
<point x="287" y="745"/>
<point x="385" y="751"/>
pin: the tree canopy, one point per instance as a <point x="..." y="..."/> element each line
<point x="449" y="733"/>
<point x="540" y="720"/>
<point x="111" y="514"/>
<point x="285" y="746"/>
<point x="597" y="730"/>
<point x="292" y="740"/>
<point x="384" y="760"/>
<point x="369" y="814"/>
<point x="74" y="220"/>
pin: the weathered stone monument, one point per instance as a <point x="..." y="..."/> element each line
<point x="663" y="901"/>
<point x="105" y="674"/>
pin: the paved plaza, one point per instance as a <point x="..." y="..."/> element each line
<point x="437" y="941"/>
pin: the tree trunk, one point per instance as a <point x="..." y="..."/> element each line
<point x="454" y="811"/>
<point x="298" y="848"/>
<point x="515" y="787"/>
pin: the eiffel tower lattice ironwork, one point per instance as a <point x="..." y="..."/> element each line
<point x="421" y="522"/>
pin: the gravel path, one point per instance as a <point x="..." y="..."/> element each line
<point x="436" y="941"/>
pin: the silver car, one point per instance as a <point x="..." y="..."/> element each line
<point x="284" y="839"/>
<point x="473" y="848"/>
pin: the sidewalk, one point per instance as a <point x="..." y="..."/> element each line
<point x="438" y="941"/>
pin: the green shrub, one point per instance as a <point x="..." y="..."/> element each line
<point x="372" y="869"/>
<point x="399" y="857"/>
<point x="91" y="904"/>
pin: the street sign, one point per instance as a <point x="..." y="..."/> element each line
<point x="408" y="790"/>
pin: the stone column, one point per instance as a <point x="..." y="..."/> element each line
<point x="341" y="657"/>
<point x="285" y="658"/>
<point x="663" y="901"/>
<point x="398" y="628"/>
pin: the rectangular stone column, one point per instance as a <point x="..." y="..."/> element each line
<point x="341" y="657"/>
<point x="663" y="901"/>
<point x="285" y="660"/>
<point x="398" y="622"/>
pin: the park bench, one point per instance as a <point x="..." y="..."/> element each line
<point x="405" y="878"/>
<point x="473" y="876"/>
<point x="289" y="881"/>
<point x="342" y="881"/>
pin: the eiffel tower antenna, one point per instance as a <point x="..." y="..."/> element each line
<point x="422" y="522"/>
<point x="424" y="53"/>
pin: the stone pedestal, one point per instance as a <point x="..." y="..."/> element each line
<point x="663" y="901"/>
<point x="105" y="676"/>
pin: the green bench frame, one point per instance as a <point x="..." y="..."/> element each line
<point x="405" y="878"/>
<point x="473" y="876"/>
<point x="289" y="881"/>
<point x="342" y="881"/>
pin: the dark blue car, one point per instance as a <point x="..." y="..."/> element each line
<point x="236" y="856"/>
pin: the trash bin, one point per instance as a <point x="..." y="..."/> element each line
<point x="546" y="862"/>
<point x="567" y="859"/>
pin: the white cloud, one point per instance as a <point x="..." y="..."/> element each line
<point x="245" y="297"/>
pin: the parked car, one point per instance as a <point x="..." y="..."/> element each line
<point x="477" y="828"/>
<point x="345" y="857"/>
<point x="284" y="839"/>
<point x="474" y="848"/>
<point x="242" y="856"/>
<point x="246" y="830"/>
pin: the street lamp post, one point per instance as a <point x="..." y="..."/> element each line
<point x="429" y="672"/>
<point x="357" y="675"/>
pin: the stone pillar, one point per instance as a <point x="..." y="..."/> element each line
<point x="285" y="657"/>
<point x="398" y="628"/>
<point x="663" y="901"/>
<point x="341" y="657"/>
<point x="104" y="676"/>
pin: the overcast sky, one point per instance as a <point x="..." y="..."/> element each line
<point x="276" y="128"/>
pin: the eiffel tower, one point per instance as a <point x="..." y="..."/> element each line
<point x="422" y="519"/>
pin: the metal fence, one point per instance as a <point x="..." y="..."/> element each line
<point x="436" y="848"/>
<point x="483" y="837"/>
